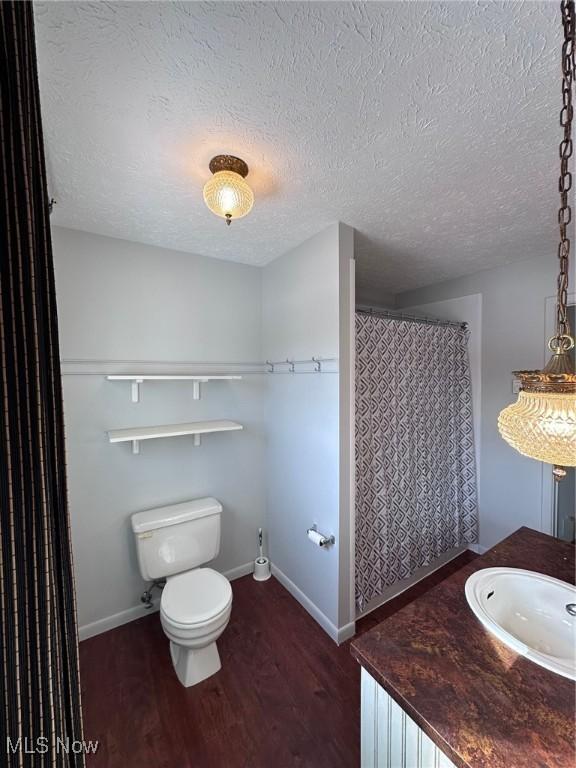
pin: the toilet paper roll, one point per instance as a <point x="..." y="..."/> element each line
<point x="315" y="537"/>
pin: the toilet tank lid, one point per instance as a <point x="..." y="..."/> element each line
<point x="161" y="517"/>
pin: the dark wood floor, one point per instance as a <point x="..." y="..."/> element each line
<point x="286" y="694"/>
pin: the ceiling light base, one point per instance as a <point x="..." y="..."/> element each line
<point x="228" y="163"/>
<point x="558" y="375"/>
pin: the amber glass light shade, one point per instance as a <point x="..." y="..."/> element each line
<point x="228" y="195"/>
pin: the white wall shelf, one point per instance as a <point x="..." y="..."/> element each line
<point x="196" y="428"/>
<point x="138" y="379"/>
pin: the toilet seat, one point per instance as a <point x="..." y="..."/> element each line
<point x="195" y="598"/>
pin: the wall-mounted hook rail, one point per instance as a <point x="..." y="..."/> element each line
<point x="313" y="364"/>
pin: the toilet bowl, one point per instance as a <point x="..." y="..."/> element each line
<point x="172" y="543"/>
<point x="194" y="611"/>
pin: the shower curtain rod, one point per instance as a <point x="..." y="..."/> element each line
<point x="399" y="315"/>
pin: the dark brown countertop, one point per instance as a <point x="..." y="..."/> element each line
<point x="482" y="704"/>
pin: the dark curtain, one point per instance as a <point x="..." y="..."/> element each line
<point x="40" y="697"/>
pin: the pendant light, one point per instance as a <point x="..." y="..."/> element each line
<point x="226" y="193"/>
<point x="542" y="423"/>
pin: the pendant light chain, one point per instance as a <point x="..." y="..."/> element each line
<point x="542" y="422"/>
<point x="565" y="181"/>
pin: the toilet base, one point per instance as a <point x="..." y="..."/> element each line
<point x="192" y="665"/>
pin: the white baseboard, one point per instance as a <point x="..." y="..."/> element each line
<point x="241" y="570"/>
<point x="346" y="632"/>
<point x="339" y="635"/>
<point x="116" y="620"/>
<point x="138" y="611"/>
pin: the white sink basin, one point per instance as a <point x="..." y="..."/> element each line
<point x="528" y="612"/>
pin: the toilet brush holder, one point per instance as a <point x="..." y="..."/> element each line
<point x="261" y="564"/>
<point x="262" y="569"/>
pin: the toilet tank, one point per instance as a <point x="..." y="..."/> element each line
<point x="177" y="538"/>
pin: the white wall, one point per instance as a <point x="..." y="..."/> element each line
<point x="306" y="298"/>
<point x="513" y="338"/>
<point x="119" y="302"/>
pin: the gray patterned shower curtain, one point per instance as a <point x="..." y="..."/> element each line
<point x="415" y="465"/>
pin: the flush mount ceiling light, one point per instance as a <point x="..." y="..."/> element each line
<point x="542" y="423"/>
<point x="226" y="193"/>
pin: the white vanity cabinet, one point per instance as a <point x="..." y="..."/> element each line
<point x="389" y="737"/>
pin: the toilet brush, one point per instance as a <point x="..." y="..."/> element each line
<point x="261" y="564"/>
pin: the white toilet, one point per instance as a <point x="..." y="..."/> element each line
<point x="196" y="602"/>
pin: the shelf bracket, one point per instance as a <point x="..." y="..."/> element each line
<point x="196" y="390"/>
<point x="135" y="447"/>
<point x="197" y="440"/>
<point x="135" y="390"/>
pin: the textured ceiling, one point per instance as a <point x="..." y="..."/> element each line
<point x="430" y="127"/>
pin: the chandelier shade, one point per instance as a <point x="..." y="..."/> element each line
<point x="227" y="194"/>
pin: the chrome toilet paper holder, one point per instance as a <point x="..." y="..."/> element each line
<point x="325" y="541"/>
